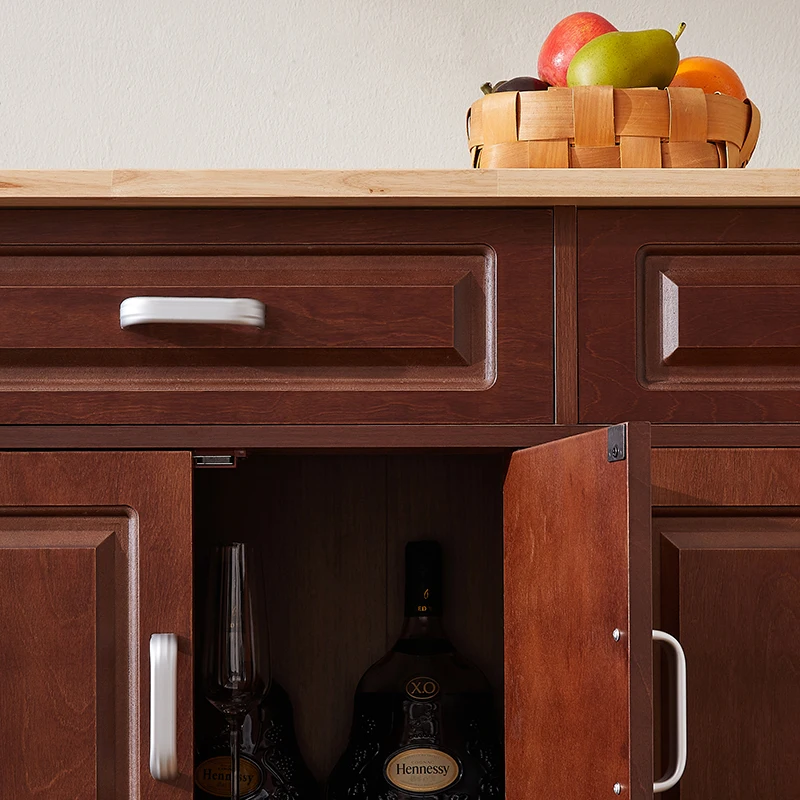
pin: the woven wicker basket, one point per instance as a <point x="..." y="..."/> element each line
<point x="603" y="127"/>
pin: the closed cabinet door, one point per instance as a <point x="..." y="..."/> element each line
<point x="578" y="620"/>
<point x="727" y="583"/>
<point x="95" y="558"/>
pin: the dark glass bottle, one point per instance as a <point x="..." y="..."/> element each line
<point x="423" y="722"/>
<point x="271" y="766"/>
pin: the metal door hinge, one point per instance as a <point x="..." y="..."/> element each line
<point x="218" y="458"/>
<point x="616" y="442"/>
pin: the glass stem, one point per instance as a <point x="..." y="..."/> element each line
<point x="235" y="742"/>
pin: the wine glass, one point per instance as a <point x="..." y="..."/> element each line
<point x="236" y="668"/>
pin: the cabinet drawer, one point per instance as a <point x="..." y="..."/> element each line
<point x="689" y="315"/>
<point x="392" y="315"/>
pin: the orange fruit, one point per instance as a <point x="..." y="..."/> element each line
<point x="709" y="74"/>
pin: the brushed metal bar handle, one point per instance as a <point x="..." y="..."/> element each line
<point x="203" y="310"/>
<point x="164" y="706"/>
<point x="680" y="716"/>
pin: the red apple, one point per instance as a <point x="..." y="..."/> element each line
<point x="572" y="33"/>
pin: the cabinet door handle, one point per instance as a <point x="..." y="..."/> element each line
<point x="680" y="713"/>
<point x="203" y="310"/>
<point x="163" y="706"/>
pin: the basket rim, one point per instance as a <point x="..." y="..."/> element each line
<point x="595" y="116"/>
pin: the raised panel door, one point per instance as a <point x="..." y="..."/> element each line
<point x="727" y="584"/>
<point x="95" y="556"/>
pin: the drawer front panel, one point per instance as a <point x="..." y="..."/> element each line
<point x="689" y="316"/>
<point x="355" y="321"/>
<point x="723" y="318"/>
<point x="370" y="316"/>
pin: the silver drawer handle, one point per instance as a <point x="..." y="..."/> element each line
<point x="680" y="716"/>
<point x="205" y="310"/>
<point x="163" y="706"/>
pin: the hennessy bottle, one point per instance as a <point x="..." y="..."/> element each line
<point x="423" y="721"/>
<point x="271" y="766"/>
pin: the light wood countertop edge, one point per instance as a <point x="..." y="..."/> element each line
<point x="399" y="187"/>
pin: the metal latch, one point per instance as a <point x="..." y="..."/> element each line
<point x="616" y="442"/>
<point x="218" y="458"/>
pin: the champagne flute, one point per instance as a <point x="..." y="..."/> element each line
<point x="236" y="667"/>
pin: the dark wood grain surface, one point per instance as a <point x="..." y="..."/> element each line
<point x="67" y="655"/>
<point x="640" y="354"/>
<point x="336" y="358"/>
<point x="402" y="318"/>
<point x="86" y="318"/>
<point x="96" y="552"/>
<point x="726" y="477"/>
<point x="729" y="592"/>
<point x="566" y="314"/>
<point x="347" y="438"/>
<point x="577" y="566"/>
<point x="285" y="437"/>
<point x="719" y="318"/>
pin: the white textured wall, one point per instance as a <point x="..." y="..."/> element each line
<point x="314" y="83"/>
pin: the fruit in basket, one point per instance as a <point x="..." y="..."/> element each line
<point x="522" y="84"/>
<point x="561" y="44"/>
<point x="627" y="59"/>
<point x="711" y="75"/>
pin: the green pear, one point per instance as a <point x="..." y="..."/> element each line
<point x="626" y="59"/>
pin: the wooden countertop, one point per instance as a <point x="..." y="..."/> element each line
<point x="399" y="187"/>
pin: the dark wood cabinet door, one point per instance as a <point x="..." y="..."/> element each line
<point x="577" y="569"/>
<point x="727" y="584"/>
<point x="371" y="315"/>
<point x="689" y="315"/>
<point x="95" y="556"/>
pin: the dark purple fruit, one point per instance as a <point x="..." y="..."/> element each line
<point x="525" y="84"/>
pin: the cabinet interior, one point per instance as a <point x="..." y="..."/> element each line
<point x="332" y="531"/>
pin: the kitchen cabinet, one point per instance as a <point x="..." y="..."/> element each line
<point x="724" y="570"/>
<point x="388" y="316"/>
<point x="688" y="315"/>
<point x="725" y="546"/>
<point x="578" y="623"/>
<point x="480" y="357"/>
<point x="96" y="556"/>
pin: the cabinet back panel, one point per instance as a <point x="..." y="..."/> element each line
<point x="332" y="529"/>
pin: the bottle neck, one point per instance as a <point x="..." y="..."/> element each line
<point x="423" y="595"/>
<point x="423" y="636"/>
<point x="422" y="628"/>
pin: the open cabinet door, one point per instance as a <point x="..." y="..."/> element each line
<point x="578" y="619"/>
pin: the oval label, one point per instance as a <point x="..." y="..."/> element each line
<point x="422" y="688"/>
<point x="213" y="776"/>
<point x="422" y="769"/>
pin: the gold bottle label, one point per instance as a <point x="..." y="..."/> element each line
<point x="422" y="688"/>
<point x="422" y="769"/>
<point x="213" y="776"/>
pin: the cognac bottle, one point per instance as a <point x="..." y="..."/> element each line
<point x="423" y="721"/>
<point x="271" y="766"/>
